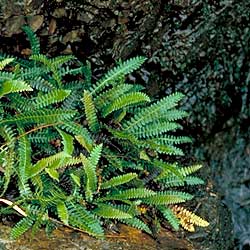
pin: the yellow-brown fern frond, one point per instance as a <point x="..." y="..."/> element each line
<point x="188" y="219"/>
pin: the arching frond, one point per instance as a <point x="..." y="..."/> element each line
<point x="122" y="69"/>
<point x="90" y="111"/>
<point x="83" y="219"/>
<point x="33" y="39"/>
<point x="149" y="114"/>
<point x="52" y="97"/>
<point x="124" y="101"/>
<point x="5" y="62"/>
<point x="12" y="86"/>
<point x="108" y="211"/>
<point x="118" y="180"/>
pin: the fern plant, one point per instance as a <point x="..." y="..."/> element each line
<point x="81" y="154"/>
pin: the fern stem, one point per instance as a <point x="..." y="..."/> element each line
<point x="15" y="207"/>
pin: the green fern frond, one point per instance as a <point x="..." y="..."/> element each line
<point x="131" y="209"/>
<point x="32" y="73"/>
<point x="112" y="94"/>
<point x="155" y="129"/>
<point x="169" y="216"/>
<point x="53" y="63"/>
<point x="190" y="169"/>
<point x="70" y="71"/>
<point x="62" y="212"/>
<point x="90" y="111"/>
<point x="95" y="155"/>
<point x="72" y="101"/>
<point x="118" y="180"/>
<point x="149" y="114"/>
<point x="177" y="182"/>
<point x="67" y="142"/>
<point x="124" y="101"/>
<point x="127" y="194"/>
<point x="46" y="116"/>
<point x="8" y="133"/>
<point x="192" y="180"/>
<point x="83" y="219"/>
<point x="172" y="115"/>
<point x="114" y="161"/>
<point x="137" y="223"/>
<point x="8" y="166"/>
<point x="21" y="227"/>
<point x="108" y="211"/>
<point x="60" y="60"/>
<point x="162" y="148"/>
<point x="41" y="84"/>
<point x="11" y="86"/>
<point x="52" y="97"/>
<point x="5" y="62"/>
<point x="168" y="197"/>
<point x="33" y="39"/>
<point x="81" y="134"/>
<point x="122" y="69"/>
<point x="40" y="221"/>
<point x="41" y="137"/>
<point x="170" y="139"/>
<point x="46" y="162"/>
<point x="90" y="165"/>
<point x="91" y="178"/>
<point x="20" y="103"/>
<point x="168" y="169"/>
<point x="24" y="163"/>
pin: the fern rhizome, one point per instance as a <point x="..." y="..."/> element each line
<point x="87" y="154"/>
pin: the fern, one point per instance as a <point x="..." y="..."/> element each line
<point x="5" y="62"/>
<point x="83" y="219"/>
<point x="125" y="100"/>
<point x="63" y="212"/>
<point x="40" y="116"/>
<point x="149" y="114"/>
<point x="24" y="164"/>
<point x="111" y="95"/>
<point x="170" y="216"/>
<point x="118" y="180"/>
<point x="52" y="97"/>
<point x="21" y="227"/>
<point x="33" y="39"/>
<point x="129" y="194"/>
<point x="137" y="223"/>
<point x="120" y="70"/>
<point x="108" y="211"/>
<point x="177" y="182"/>
<point x="11" y="86"/>
<point x="86" y="153"/>
<point x="190" y="169"/>
<point x="170" y="197"/>
<point x="90" y="111"/>
<point x="90" y="165"/>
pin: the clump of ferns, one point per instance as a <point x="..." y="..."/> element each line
<point x="83" y="153"/>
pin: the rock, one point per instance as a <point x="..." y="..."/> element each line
<point x="72" y="36"/>
<point x="52" y="26"/>
<point x="59" y="13"/>
<point x="35" y="22"/>
<point x="13" y="25"/>
<point x="66" y="239"/>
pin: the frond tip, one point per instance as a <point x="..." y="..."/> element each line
<point x="90" y="111"/>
